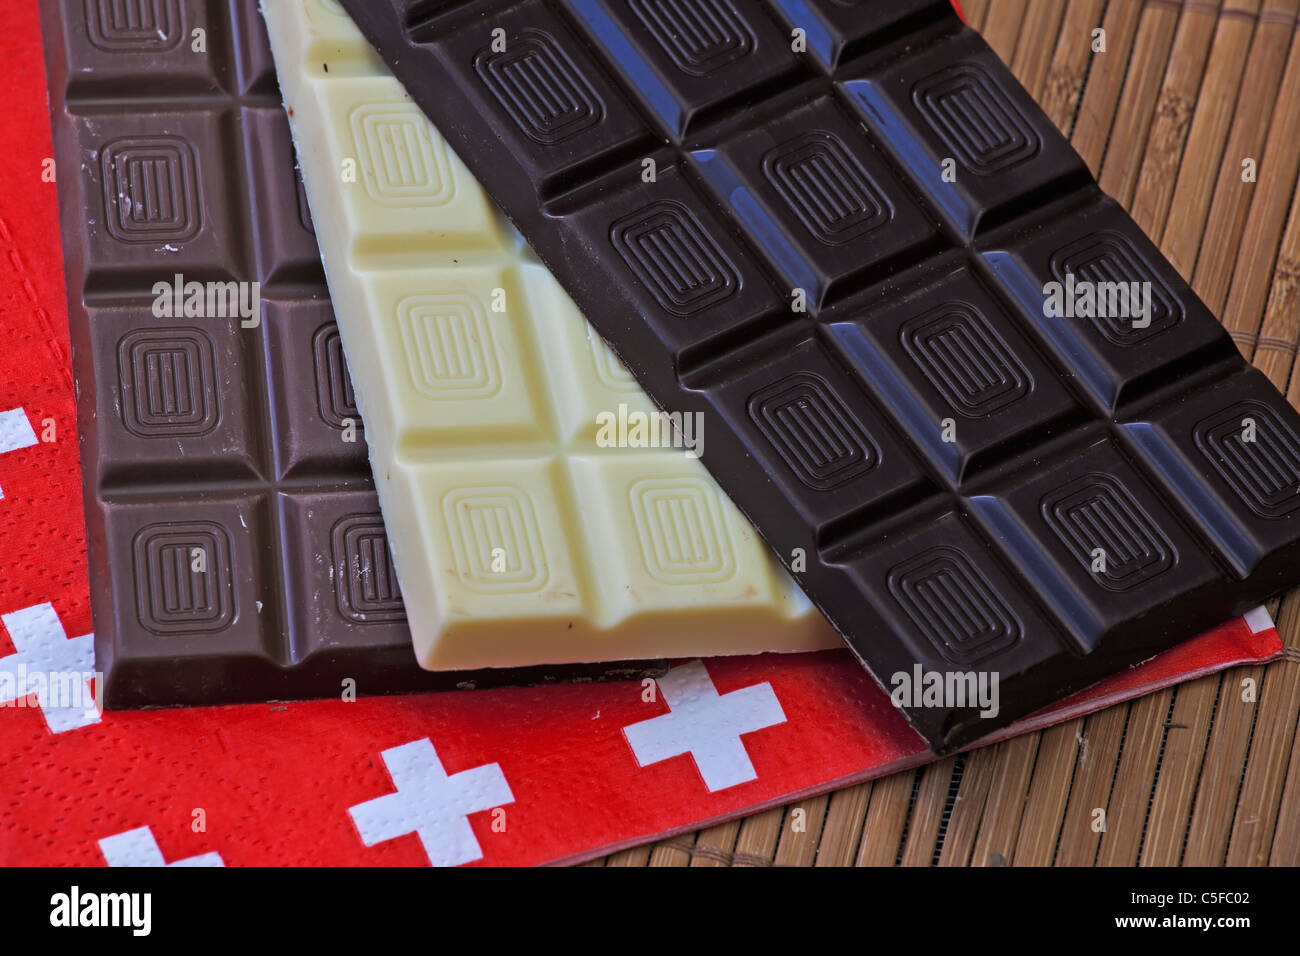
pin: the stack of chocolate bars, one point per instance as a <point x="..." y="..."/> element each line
<point x="871" y="359"/>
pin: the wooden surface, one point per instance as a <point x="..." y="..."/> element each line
<point x="1184" y="92"/>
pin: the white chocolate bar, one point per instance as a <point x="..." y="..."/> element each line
<point x="520" y="538"/>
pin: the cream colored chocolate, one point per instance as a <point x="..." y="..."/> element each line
<point x="519" y="537"/>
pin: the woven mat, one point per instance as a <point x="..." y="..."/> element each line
<point x="1167" y="117"/>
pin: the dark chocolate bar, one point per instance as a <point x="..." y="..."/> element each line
<point x="843" y="232"/>
<point x="236" y="547"/>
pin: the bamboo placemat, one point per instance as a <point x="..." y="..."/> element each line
<point x="1184" y="93"/>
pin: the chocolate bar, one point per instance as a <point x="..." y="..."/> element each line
<point x="523" y="530"/>
<point x="959" y="393"/>
<point x="236" y="547"/>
